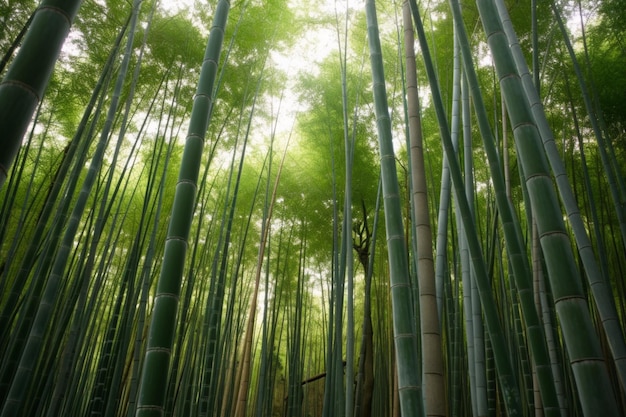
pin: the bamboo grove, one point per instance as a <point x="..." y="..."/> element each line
<point x="273" y="208"/>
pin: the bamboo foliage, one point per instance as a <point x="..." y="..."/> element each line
<point x="250" y="305"/>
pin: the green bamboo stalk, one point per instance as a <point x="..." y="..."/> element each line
<point x="346" y="262"/>
<point x="550" y="332"/>
<point x="584" y="352"/>
<point x="608" y="152"/>
<point x="598" y="283"/>
<point x="178" y="381"/>
<point x="478" y="399"/>
<point x="365" y="377"/>
<point x="17" y="179"/>
<point x="222" y="382"/>
<point x="265" y="384"/>
<point x="111" y="363"/>
<point x="216" y="294"/>
<point x="50" y="241"/>
<point x="455" y="347"/>
<point x="591" y="200"/>
<point x="26" y="79"/>
<point x="155" y="370"/>
<point x="475" y="328"/>
<point x="295" y="345"/>
<point x="333" y="389"/>
<point x="441" y="247"/>
<point x="215" y="299"/>
<point x="114" y="400"/>
<point x="267" y="346"/>
<point x="145" y="282"/>
<point x="515" y="247"/>
<point x="409" y="384"/>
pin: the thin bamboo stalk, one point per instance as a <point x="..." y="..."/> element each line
<point x="34" y="344"/>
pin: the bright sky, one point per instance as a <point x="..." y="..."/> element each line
<point x="175" y="5"/>
<point x="308" y="50"/>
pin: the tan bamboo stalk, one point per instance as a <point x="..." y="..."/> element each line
<point x="432" y="357"/>
<point x="246" y="356"/>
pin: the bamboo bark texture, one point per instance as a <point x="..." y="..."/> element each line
<point x="583" y="346"/>
<point x="26" y="80"/>
<point x="155" y="371"/>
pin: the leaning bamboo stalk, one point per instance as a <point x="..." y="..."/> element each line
<point x="597" y="281"/>
<point x="27" y="78"/>
<point x="515" y="247"/>
<point x="585" y="354"/>
<point x="155" y="370"/>
<point x="607" y="156"/>
<point x="28" y="260"/>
